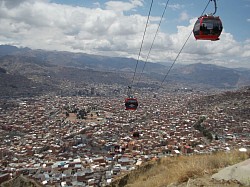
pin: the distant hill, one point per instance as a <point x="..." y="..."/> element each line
<point x="2" y="71"/>
<point x="82" y="60"/>
<point x="47" y="71"/>
<point x="25" y="75"/>
<point x="8" y="50"/>
<point x="208" y="74"/>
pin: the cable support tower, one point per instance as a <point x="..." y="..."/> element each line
<point x="181" y="49"/>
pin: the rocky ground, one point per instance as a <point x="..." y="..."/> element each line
<point x="207" y="181"/>
<point x="237" y="175"/>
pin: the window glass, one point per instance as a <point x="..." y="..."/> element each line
<point x="208" y="23"/>
<point x="197" y="25"/>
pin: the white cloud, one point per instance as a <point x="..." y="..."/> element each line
<point x="97" y="4"/>
<point x="248" y="20"/>
<point x="176" y="6"/>
<point x="223" y="52"/>
<point x="120" y="6"/>
<point x="246" y="49"/>
<point x="183" y="16"/>
<point x="14" y="3"/>
<point x="44" y="25"/>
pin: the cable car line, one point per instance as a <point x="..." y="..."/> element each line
<point x="176" y="58"/>
<point x="153" y="40"/>
<point x="142" y="43"/>
<point x="181" y="49"/>
<point x="131" y="103"/>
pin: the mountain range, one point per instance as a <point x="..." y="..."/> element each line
<point x="26" y="71"/>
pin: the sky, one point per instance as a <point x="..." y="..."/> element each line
<point x="115" y="28"/>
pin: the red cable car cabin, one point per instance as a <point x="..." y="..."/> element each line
<point x="131" y="104"/>
<point x="208" y="27"/>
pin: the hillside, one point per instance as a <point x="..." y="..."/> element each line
<point x="32" y="72"/>
<point x="26" y="76"/>
<point x="182" y="171"/>
<point x="208" y="74"/>
<point x="197" y="170"/>
<point x="20" y="181"/>
<point x="164" y="169"/>
<point x="233" y="103"/>
<point x="82" y="60"/>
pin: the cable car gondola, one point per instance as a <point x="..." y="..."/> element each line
<point x="131" y="104"/>
<point x="208" y="27"/>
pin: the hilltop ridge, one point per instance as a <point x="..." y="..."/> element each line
<point x="43" y="71"/>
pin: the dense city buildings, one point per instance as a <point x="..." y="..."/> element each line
<point x="90" y="140"/>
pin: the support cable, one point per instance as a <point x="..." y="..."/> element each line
<point x="153" y="40"/>
<point x="130" y="87"/>
<point x="181" y="49"/>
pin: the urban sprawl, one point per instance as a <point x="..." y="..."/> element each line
<point x="91" y="140"/>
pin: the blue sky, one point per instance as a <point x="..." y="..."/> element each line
<point x="235" y="14"/>
<point x="115" y="28"/>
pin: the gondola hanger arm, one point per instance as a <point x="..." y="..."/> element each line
<point x="215" y="7"/>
